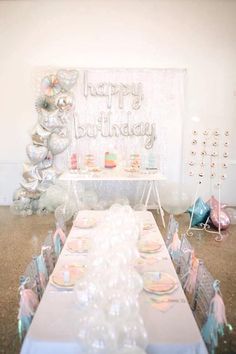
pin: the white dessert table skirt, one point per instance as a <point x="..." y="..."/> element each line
<point x="55" y="324"/>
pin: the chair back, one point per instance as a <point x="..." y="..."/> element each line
<point x="203" y="294"/>
<point x="172" y="227"/>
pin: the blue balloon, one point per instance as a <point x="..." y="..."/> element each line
<point x="200" y="213"/>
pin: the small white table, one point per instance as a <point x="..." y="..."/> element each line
<point x="150" y="179"/>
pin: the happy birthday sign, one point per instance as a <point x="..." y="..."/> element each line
<point x="116" y="121"/>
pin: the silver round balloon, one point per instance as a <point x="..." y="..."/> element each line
<point x="65" y="102"/>
<point x="58" y="143"/>
<point x="36" y="153"/>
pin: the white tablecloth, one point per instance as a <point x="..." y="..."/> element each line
<point x="55" y="324"/>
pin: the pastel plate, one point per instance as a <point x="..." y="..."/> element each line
<point x="148" y="226"/>
<point x="159" y="283"/>
<point x="85" y="222"/>
<point x="74" y="272"/>
<point x="149" y="246"/>
<point x="79" y="245"/>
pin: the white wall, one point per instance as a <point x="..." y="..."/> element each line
<point x="196" y="35"/>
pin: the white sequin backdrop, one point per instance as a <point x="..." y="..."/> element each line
<point x="162" y="104"/>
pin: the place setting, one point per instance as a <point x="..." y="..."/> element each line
<point x="66" y="276"/>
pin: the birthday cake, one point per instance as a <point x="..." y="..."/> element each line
<point x="110" y="160"/>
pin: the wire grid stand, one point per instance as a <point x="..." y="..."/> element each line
<point x="206" y="226"/>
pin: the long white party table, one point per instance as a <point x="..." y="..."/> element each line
<point x="150" y="179"/>
<point x="171" y="329"/>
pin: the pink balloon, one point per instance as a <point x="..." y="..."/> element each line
<point x="213" y="202"/>
<point x="219" y="219"/>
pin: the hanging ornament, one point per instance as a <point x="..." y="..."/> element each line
<point x="201" y="175"/>
<point x="225" y="154"/>
<point x="226" y="144"/>
<point x="204" y="142"/>
<point x="215" y="143"/>
<point x="216" y="133"/>
<point x="223" y="177"/>
<point x="195" y="132"/>
<point x="191" y="173"/>
<point x="191" y="163"/>
<point x="226" y="133"/>
<point x="203" y="153"/>
<point x="212" y="175"/>
<point x="193" y="153"/>
<point x="214" y="154"/>
<point x="205" y="132"/>
<point x="225" y="165"/>
<point x="50" y="85"/>
<point x="194" y="142"/>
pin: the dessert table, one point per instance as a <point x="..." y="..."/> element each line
<point x="150" y="179"/>
<point x="170" y="325"/>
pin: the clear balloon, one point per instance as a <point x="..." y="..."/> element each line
<point x="175" y="199"/>
<point x="63" y="213"/>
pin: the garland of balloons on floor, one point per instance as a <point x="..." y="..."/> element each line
<point x="50" y="137"/>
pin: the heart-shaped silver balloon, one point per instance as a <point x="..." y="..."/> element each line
<point x="31" y="173"/>
<point x="30" y="186"/>
<point x="36" y="153"/>
<point x="58" y="143"/>
<point x="67" y="78"/>
<point x="47" y="162"/>
<point x="48" y="174"/>
<point x="50" y="121"/>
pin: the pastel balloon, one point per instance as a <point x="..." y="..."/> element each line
<point x="41" y="131"/>
<point x="213" y="203"/>
<point x="200" y="212"/>
<point x="220" y="219"/>
<point x="67" y="78"/>
<point x="58" y="143"/>
<point x="65" y="102"/>
<point x="36" y="153"/>
<point x="50" y="85"/>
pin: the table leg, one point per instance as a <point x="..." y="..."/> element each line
<point x="143" y="192"/>
<point x="148" y="194"/>
<point x="159" y="204"/>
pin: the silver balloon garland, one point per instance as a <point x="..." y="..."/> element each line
<point x="49" y="137"/>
